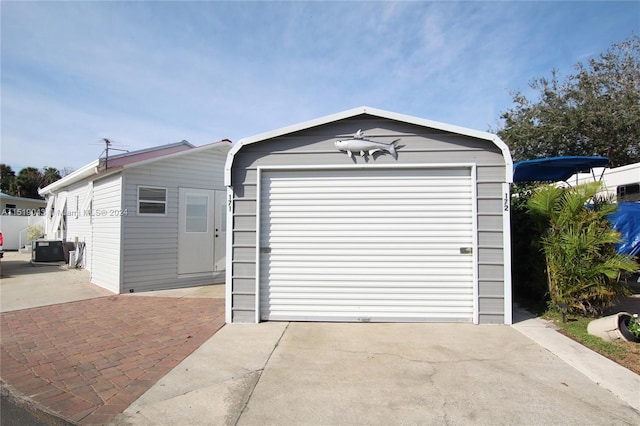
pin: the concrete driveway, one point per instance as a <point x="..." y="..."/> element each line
<point x="378" y="374"/>
<point x="25" y="286"/>
<point x="423" y="374"/>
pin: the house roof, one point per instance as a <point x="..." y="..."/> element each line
<point x="555" y="169"/>
<point x="14" y="198"/>
<point x="119" y="162"/>
<point x="146" y="154"/>
<point x="376" y="113"/>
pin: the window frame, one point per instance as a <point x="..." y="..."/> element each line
<point x="10" y="209"/>
<point x="165" y="202"/>
<point x="206" y="213"/>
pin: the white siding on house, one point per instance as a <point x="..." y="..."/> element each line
<point x="107" y="218"/>
<point x="79" y="218"/>
<point x="126" y="251"/>
<point x="56" y="216"/>
<point x="150" y="243"/>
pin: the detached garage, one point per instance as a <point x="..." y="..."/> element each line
<point x="369" y="216"/>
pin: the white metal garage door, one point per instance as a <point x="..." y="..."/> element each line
<point x="375" y="244"/>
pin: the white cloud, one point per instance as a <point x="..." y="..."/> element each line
<point x="147" y="73"/>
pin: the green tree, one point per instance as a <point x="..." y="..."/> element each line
<point x="595" y="111"/>
<point x="49" y="175"/>
<point x="7" y="179"/>
<point x="28" y="181"/>
<point x="583" y="268"/>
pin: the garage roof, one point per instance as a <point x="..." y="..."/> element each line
<point x="373" y="112"/>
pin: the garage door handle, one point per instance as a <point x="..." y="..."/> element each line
<point x="466" y="250"/>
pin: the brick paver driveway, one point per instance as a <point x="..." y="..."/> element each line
<point x="89" y="360"/>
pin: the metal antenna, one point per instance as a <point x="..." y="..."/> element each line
<point x="107" y="146"/>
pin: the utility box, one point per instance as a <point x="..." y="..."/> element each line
<point x="48" y="251"/>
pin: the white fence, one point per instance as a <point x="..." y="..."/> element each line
<point x="14" y="230"/>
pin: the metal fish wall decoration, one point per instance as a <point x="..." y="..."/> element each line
<point x="359" y="145"/>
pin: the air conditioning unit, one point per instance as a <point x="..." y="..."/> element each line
<point x="48" y="251"/>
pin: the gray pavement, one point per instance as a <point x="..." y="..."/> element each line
<point x="335" y="373"/>
<point x="213" y="384"/>
<point x="25" y="286"/>
<point x="339" y="373"/>
<point x="620" y="381"/>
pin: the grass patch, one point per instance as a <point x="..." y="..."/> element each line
<point x="626" y="354"/>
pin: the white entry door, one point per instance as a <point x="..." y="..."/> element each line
<point x="201" y="238"/>
<point x="220" y="231"/>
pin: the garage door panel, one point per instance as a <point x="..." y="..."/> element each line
<point x="390" y="229"/>
<point x="303" y="205"/>
<point x="318" y="220"/>
<point x="356" y="245"/>
<point x="343" y="268"/>
<point x="305" y="313"/>
<point x="289" y="251"/>
<point x="375" y="299"/>
<point x="357" y="234"/>
<point x="371" y="241"/>
<point x="381" y="259"/>
<point x="374" y="288"/>
<point x="354" y="281"/>
<point x="443" y="195"/>
<point x="402" y="246"/>
<point x="373" y="307"/>
<point x="408" y="212"/>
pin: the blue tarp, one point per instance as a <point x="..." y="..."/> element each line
<point x="555" y="169"/>
<point x="626" y="220"/>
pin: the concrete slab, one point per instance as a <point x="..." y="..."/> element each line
<point x="213" y="384"/>
<point x="423" y="374"/>
<point x="25" y="286"/>
<point x="622" y="382"/>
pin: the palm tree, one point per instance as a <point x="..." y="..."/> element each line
<point x="583" y="268"/>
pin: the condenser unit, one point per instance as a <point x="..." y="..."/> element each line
<point x="47" y="251"/>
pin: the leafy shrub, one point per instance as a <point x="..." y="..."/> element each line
<point x="634" y="325"/>
<point x="584" y="270"/>
<point x="34" y="232"/>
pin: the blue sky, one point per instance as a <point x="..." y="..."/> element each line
<point x="150" y="73"/>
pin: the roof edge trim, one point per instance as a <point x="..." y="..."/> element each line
<point x="374" y="112"/>
<point x="91" y="170"/>
<point x="219" y="144"/>
<point x="76" y="176"/>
